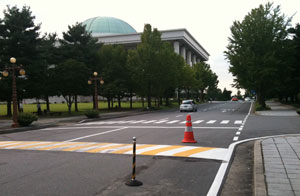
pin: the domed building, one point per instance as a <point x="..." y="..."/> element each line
<point x="109" y="30"/>
<point x="107" y="26"/>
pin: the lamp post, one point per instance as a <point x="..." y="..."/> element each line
<point x="13" y="68"/>
<point x="95" y="79"/>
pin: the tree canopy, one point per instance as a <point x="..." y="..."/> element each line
<point x="254" y="49"/>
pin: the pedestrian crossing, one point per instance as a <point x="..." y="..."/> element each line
<point x="165" y="121"/>
<point x="118" y="148"/>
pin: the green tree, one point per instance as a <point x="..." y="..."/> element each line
<point x="78" y="44"/>
<point x="19" y="37"/>
<point x="254" y="47"/>
<point x="114" y="72"/>
<point x="71" y="78"/>
<point x="148" y="55"/>
<point x="204" y="78"/>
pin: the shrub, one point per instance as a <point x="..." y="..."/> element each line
<point x="92" y="113"/>
<point x="25" y="119"/>
<point x="259" y="107"/>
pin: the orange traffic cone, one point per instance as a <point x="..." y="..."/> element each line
<point x="188" y="133"/>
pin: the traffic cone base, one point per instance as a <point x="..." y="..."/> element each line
<point x="188" y="138"/>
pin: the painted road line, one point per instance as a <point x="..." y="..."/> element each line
<point x="25" y="145"/>
<point x="235" y="138"/>
<point x="150" y="121"/>
<point x="134" y="127"/>
<point x="70" y="144"/>
<point x="238" y="122"/>
<point x="198" y="121"/>
<point x="183" y="122"/>
<point x="211" y="122"/>
<point x="9" y="143"/>
<point x="138" y="121"/>
<point x="161" y="121"/>
<point x="79" y="138"/>
<point x="192" y="151"/>
<point x="238" y="133"/>
<point x="115" y="148"/>
<point x="178" y="116"/>
<point x="159" y="150"/>
<point x="100" y="149"/>
<point x="224" y="121"/>
<point x="173" y="121"/>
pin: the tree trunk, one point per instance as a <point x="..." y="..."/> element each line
<point x="179" y="101"/>
<point x="47" y="103"/>
<point x="261" y="99"/>
<point x="94" y="106"/>
<point x="70" y="104"/>
<point x="119" y="101"/>
<point x="167" y="101"/>
<point x="108" y="102"/>
<point x="112" y="103"/>
<point x="143" y="102"/>
<point x="9" y="108"/>
<point x="149" y="101"/>
<point x="76" y="104"/>
<point x="188" y="94"/>
<point x="130" y="100"/>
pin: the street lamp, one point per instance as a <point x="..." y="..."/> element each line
<point x="5" y="73"/>
<point x="95" y="79"/>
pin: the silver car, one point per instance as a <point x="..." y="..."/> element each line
<point x="188" y="105"/>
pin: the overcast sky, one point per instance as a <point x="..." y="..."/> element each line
<point x="208" y="21"/>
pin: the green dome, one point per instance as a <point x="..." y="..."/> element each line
<point x="107" y="26"/>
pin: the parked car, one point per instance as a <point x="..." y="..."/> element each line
<point x="234" y="99"/>
<point x="188" y="105"/>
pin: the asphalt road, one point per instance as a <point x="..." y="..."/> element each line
<point x="97" y="162"/>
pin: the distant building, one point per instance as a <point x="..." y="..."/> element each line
<point x="109" y="30"/>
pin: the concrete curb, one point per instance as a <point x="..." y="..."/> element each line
<point x="258" y="171"/>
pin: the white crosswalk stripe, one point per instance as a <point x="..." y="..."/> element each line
<point x="173" y="121"/>
<point x="161" y="121"/>
<point x="150" y="121"/>
<point x="165" y="121"/>
<point x="198" y="121"/>
<point x="238" y="122"/>
<point x="224" y="121"/>
<point x="211" y="122"/>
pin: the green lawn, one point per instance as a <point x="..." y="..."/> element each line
<point x="82" y="107"/>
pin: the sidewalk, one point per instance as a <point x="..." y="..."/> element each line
<point x="44" y="122"/>
<point x="277" y="159"/>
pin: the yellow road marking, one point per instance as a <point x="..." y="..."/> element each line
<point x="58" y="146"/>
<point x="192" y="151"/>
<point x="130" y="148"/>
<point x="7" y="143"/>
<point x="153" y="152"/>
<point x="35" y="145"/>
<point x="19" y="144"/>
<point x="85" y="146"/>
<point x="105" y="148"/>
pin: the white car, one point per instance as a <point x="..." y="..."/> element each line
<point x="188" y="105"/>
<point x="247" y="99"/>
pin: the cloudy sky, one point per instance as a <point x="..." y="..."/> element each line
<point x="208" y="21"/>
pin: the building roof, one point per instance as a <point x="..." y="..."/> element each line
<point x="107" y="26"/>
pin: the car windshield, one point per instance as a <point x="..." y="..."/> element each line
<point x="187" y="102"/>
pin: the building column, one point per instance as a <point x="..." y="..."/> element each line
<point x="194" y="59"/>
<point x="176" y="47"/>
<point x="182" y="52"/>
<point x="189" y="58"/>
<point x="198" y="60"/>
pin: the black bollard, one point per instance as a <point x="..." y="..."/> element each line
<point x="133" y="181"/>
